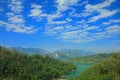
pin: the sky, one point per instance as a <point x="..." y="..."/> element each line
<point x="57" y="24"/>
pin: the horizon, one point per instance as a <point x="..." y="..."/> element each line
<point x="52" y="51"/>
<point x="92" y="25"/>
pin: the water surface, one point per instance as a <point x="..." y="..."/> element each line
<point x="81" y="67"/>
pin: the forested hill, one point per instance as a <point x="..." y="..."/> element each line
<point x="108" y="69"/>
<point x="89" y="59"/>
<point x="19" y="66"/>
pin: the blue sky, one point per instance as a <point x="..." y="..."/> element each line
<point x="57" y="24"/>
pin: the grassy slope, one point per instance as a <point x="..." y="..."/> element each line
<point x="109" y="69"/>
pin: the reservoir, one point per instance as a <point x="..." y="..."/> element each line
<point x="81" y="67"/>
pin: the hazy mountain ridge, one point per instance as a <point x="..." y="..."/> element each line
<point x="31" y="50"/>
<point x="70" y="53"/>
<point x="62" y="54"/>
<point x="90" y="58"/>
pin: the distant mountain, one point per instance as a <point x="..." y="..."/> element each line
<point x="30" y="50"/>
<point x="90" y="59"/>
<point x="70" y="53"/>
<point x="59" y="54"/>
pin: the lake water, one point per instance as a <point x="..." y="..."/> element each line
<point x="81" y="67"/>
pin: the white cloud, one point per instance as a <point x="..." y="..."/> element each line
<point x="103" y="13"/>
<point x="113" y="29"/>
<point x="68" y="19"/>
<point x="101" y="10"/>
<point x="83" y="29"/>
<point x="51" y="19"/>
<point x="12" y="18"/>
<point x="91" y="28"/>
<point x="74" y="25"/>
<point x="108" y="32"/>
<point x="58" y="22"/>
<point x="58" y="28"/>
<point x="37" y="12"/>
<point x="16" y="6"/>
<point x="21" y="28"/>
<point x="111" y="21"/>
<point x="72" y="33"/>
<point x="16" y="21"/>
<point x="65" y="4"/>
<point x="79" y="34"/>
<point x="91" y="8"/>
<point x="62" y="5"/>
<point x="83" y="3"/>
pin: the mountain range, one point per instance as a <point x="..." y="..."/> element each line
<point x="70" y="53"/>
<point x="30" y="50"/>
<point x="62" y="54"/>
<point x="95" y="58"/>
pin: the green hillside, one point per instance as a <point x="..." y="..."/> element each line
<point x="89" y="59"/>
<point x="19" y="66"/>
<point x="108" y="69"/>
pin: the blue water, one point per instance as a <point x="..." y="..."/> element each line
<point x="81" y="67"/>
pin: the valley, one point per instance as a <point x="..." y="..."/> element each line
<point x="60" y="65"/>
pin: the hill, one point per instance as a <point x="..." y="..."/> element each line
<point x="30" y="50"/>
<point x="15" y="65"/>
<point x="65" y="54"/>
<point x="89" y="59"/>
<point x="108" y="69"/>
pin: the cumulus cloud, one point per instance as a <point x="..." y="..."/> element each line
<point x="103" y="14"/>
<point x="113" y="29"/>
<point x="72" y="20"/>
<point x="21" y="28"/>
<point x="37" y="12"/>
<point x="16" y="6"/>
<point x="111" y="21"/>
<point x="81" y="30"/>
<point x="65" y="4"/>
<point x="91" y="8"/>
<point x="100" y="9"/>
<point x="71" y="33"/>
<point x="62" y="5"/>
<point x="15" y="21"/>
<point x="12" y="18"/>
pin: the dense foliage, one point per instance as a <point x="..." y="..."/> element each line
<point x="19" y="66"/>
<point x="109" y="69"/>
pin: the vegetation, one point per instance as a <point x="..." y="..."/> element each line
<point x="19" y="66"/>
<point x="89" y="59"/>
<point x="109" y="69"/>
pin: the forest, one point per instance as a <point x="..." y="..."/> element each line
<point x="16" y="65"/>
<point x="108" y="69"/>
